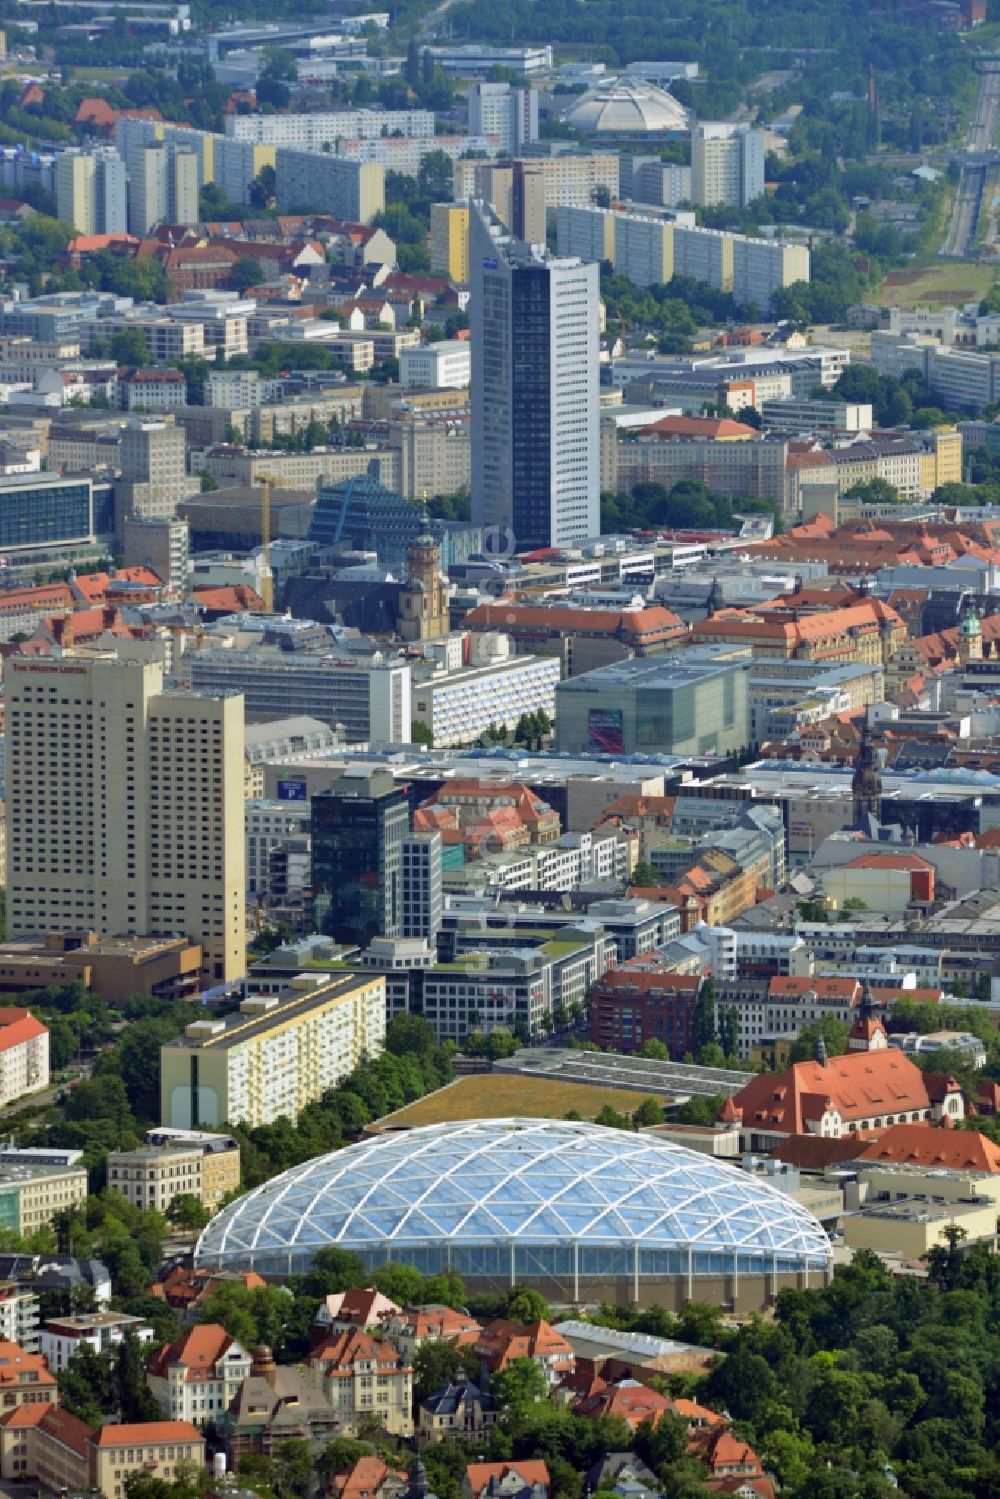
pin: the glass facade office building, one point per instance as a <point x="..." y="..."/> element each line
<point x="357" y="862"/>
<point x="45" y="512"/>
<point x="579" y="1211"/>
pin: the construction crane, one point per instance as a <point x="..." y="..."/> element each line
<point x="266" y="577"/>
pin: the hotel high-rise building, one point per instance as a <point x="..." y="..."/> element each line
<point x="535" y="398"/>
<point x="124" y="806"/>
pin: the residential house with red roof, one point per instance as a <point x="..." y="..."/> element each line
<point x="526" y="1479"/>
<point x="483" y="815"/>
<point x="501" y="1342"/>
<point x="24" y="1054"/>
<point x="25" y="1378"/>
<point x="627" y="1399"/>
<point x="196" y="1377"/>
<point x="362" y="1307"/>
<point x="186" y="1289"/>
<point x="733" y="1466"/>
<point x="369" y="1478"/>
<point x="409" y="1329"/>
<point x="366" y="1379"/>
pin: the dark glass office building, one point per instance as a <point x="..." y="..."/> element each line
<point x="38" y="511"/>
<point x="358" y="827"/>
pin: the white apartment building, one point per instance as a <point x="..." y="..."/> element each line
<point x="405" y="154"/>
<point x="311" y="132"/>
<point x="196" y="1378"/>
<point x="19" y="1317"/>
<point x="273" y="1055"/>
<point x="63" y="1337"/>
<point x="237" y="390"/>
<point x="24" y="1045"/>
<point x="369" y="698"/>
<point x="459" y="706"/>
<point x="437" y="366"/>
<point x="150" y="1178"/>
<point x="124" y="806"/>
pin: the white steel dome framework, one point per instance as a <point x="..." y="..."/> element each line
<point x="572" y="1208"/>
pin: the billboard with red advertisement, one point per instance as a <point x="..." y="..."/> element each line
<point x="606" y="731"/>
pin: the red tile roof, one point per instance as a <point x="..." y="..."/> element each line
<point x="198" y="1351"/>
<point x="21" y="1026"/>
<point x="146" y="1433"/>
<point x="923" y="1145"/>
<point x="860" y="1085"/>
<point x="530" y="1471"/>
<point x="631" y="1401"/>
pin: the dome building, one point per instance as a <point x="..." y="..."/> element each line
<point x="578" y="1211"/>
<point x="627" y="107"/>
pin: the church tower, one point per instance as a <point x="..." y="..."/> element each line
<point x="423" y="599"/>
<point x="970" y="636"/>
<point x="866" y="783"/>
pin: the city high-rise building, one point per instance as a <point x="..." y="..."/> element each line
<point x="727" y="164"/>
<point x="163" y="183"/>
<point x="92" y="190"/>
<point x="534" y="395"/>
<point x="124" y="806"/>
<point x="153" y="457"/>
<point x="358" y="828"/>
<point x="162" y="544"/>
<point x="450" y="241"/>
<point x="423" y="900"/>
<point x="515" y="191"/>
<point x="505" y="110"/>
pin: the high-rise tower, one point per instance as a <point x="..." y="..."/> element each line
<point x="535" y="396"/>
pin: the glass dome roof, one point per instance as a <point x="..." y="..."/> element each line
<point x="517" y="1182"/>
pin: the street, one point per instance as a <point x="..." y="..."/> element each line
<point x="979" y="148"/>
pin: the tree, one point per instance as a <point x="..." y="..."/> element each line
<point x="703" y="1028"/>
<point x="262" y="188"/>
<point x="526" y="1305"/>
<point x="129" y="348"/>
<point x="518" y="1387"/>
<point x="654" y="1050"/>
<point x="648" y="1113"/>
<point x="134" y="1400"/>
<point x="420" y="733"/>
<point x="435" y="178"/>
<point x="188" y="1212"/>
<point x="644" y="875"/>
<point x="831" y="1031"/>
<point x="435" y="1364"/>
<point x="245" y="273"/>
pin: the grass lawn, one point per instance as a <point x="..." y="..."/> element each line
<point x="498" y="1095"/>
<point x="951" y="281"/>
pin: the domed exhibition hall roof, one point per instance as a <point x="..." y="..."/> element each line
<point x="429" y="1196"/>
<point x="626" y="106"/>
